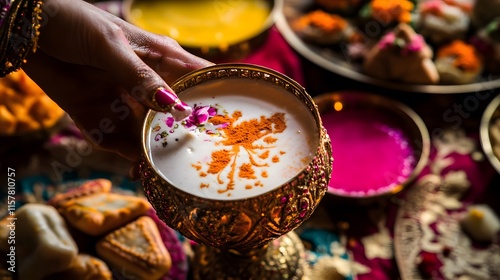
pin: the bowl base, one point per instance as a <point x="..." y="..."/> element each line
<point x="282" y="258"/>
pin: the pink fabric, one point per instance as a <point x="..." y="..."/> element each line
<point x="277" y="55"/>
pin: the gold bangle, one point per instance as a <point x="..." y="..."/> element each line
<point x="19" y="34"/>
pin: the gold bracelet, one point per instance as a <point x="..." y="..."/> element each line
<point x="19" y="34"/>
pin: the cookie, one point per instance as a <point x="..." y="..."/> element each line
<point x="85" y="267"/>
<point x="101" y="213"/>
<point x="136" y="250"/>
<point x="87" y="188"/>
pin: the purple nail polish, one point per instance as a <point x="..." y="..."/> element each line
<point x="165" y="98"/>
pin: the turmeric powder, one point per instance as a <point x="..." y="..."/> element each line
<point x="242" y="137"/>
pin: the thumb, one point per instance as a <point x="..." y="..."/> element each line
<point x="139" y="80"/>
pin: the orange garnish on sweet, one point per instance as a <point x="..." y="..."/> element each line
<point x="466" y="57"/>
<point x="392" y="10"/>
<point x="324" y="21"/>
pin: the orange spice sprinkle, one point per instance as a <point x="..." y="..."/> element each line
<point x="264" y="155"/>
<point x="196" y="166"/>
<point x="270" y="140"/>
<point x="223" y="159"/>
<point x="264" y="174"/>
<point x="276" y="159"/>
<point x="246" y="171"/>
<point x="248" y="187"/>
<point x="466" y="57"/>
<point x="389" y="11"/>
<point x="202" y="185"/>
<point x="327" y="22"/>
<point x="242" y="137"/>
<point x="282" y="152"/>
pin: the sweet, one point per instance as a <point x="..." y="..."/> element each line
<point x="43" y="244"/>
<point x="442" y="21"/>
<point x="24" y="107"/>
<point x="239" y="142"/>
<point x="389" y="12"/>
<point x="86" y="188"/>
<point x="481" y="223"/>
<point x="458" y="63"/>
<point x="136" y="250"/>
<point x="85" y="267"/>
<point x="323" y="28"/>
<point x="402" y="55"/>
<point x="100" y="213"/>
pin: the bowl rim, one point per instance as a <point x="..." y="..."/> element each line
<point x="396" y="107"/>
<point x="484" y="132"/>
<point x="190" y="79"/>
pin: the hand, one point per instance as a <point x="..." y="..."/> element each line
<point x="104" y="71"/>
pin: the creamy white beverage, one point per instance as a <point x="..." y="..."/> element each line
<point x="244" y="138"/>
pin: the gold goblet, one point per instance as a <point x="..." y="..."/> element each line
<point x="242" y="235"/>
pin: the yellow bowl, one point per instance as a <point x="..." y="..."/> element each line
<point x="215" y="30"/>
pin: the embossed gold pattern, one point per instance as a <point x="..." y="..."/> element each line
<point x="246" y="224"/>
<point x="282" y="259"/>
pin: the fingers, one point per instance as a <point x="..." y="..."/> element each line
<point x="163" y="54"/>
<point x="138" y="65"/>
<point x="119" y="59"/>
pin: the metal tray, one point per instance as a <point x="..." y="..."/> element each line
<point x="334" y="61"/>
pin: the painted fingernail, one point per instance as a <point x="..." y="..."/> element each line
<point x="181" y="106"/>
<point x="165" y="98"/>
<point x="181" y="111"/>
<point x="170" y="102"/>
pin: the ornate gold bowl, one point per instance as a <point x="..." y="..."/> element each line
<point x="252" y="222"/>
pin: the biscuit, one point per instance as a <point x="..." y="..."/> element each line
<point x="43" y="244"/>
<point x="101" y="213"/>
<point x="136" y="250"/>
<point x="87" y="188"/>
<point x="85" y="267"/>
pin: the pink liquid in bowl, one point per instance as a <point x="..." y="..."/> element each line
<point x="371" y="154"/>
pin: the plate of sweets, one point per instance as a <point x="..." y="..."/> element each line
<point x="92" y="231"/>
<point x="423" y="46"/>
